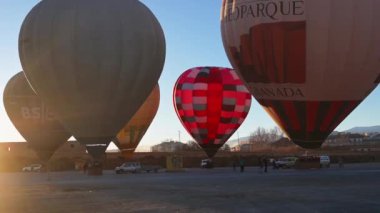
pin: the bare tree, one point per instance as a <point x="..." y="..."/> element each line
<point x="260" y="135"/>
<point x="226" y="148"/>
<point x="263" y="136"/>
<point x="193" y="146"/>
<point x="275" y="134"/>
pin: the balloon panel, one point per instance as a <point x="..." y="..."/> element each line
<point x="297" y="56"/>
<point x="100" y="68"/>
<point x="211" y="103"/>
<point x="303" y="57"/>
<point x="34" y="121"/>
<point x="130" y="136"/>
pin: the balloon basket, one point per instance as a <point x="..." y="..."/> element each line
<point x="95" y="169"/>
<point x="95" y="172"/>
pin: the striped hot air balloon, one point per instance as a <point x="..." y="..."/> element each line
<point x="309" y="63"/>
<point x="212" y="103"/>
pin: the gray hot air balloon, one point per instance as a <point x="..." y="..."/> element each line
<point x="34" y="121"/>
<point x="93" y="61"/>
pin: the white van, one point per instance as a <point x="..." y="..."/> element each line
<point x="324" y="160"/>
<point x="32" y="168"/>
<point x="207" y="163"/>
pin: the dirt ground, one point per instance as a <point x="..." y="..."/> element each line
<point x="354" y="188"/>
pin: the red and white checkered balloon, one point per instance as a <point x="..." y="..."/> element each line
<point x="212" y="103"/>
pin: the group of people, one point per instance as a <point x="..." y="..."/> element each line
<point x="262" y="162"/>
<point x="240" y="163"/>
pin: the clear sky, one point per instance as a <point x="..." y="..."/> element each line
<point x="193" y="38"/>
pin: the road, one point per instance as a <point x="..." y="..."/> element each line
<point x="354" y="188"/>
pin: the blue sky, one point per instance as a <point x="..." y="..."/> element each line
<point x="193" y="38"/>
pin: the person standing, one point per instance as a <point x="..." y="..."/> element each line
<point x="340" y="161"/>
<point x="242" y="164"/>
<point x="85" y="167"/>
<point x="265" y="165"/>
<point x="260" y="162"/>
<point x="274" y="164"/>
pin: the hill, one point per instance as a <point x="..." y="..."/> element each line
<point x="367" y="129"/>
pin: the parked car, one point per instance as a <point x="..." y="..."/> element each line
<point x="308" y="162"/>
<point x="32" y="168"/>
<point x="135" y="167"/>
<point x="324" y="161"/>
<point x="207" y="163"/>
<point x="287" y="162"/>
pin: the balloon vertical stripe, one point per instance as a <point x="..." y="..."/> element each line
<point x="377" y="81"/>
<point x="328" y="118"/>
<point x="311" y="114"/>
<point x="311" y="120"/>
<point x="349" y="107"/>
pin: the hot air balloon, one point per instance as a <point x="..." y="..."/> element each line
<point x="93" y="61"/>
<point x="34" y="121"/>
<point x="308" y="63"/>
<point x="211" y="102"/>
<point x="130" y="136"/>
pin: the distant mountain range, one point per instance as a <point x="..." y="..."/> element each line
<point x="364" y="129"/>
<point x="360" y="130"/>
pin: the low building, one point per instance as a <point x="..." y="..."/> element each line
<point x="248" y="147"/>
<point x="169" y="146"/>
<point x="374" y="138"/>
<point x="343" y="139"/>
<point x="70" y="149"/>
<point x="16" y="155"/>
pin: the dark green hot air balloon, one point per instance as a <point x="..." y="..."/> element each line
<point x="101" y="58"/>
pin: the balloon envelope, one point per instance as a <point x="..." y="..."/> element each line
<point x="212" y="103"/>
<point x="34" y="121"/>
<point x="93" y="61"/>
<point x="308" y="63"/>
<point x="130" y="136"/>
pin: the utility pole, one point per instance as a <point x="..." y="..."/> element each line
<point x="179" y="136"/>
<point x="238" y="140"/>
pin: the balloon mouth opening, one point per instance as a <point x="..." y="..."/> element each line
<point x="94" y="141"/>
<point x="96" y="146"/>
<point x="210" y="150"/>
<point x="308" y="144"/>
<point x="127" y="153"/>
<point x="128" y="150"/>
